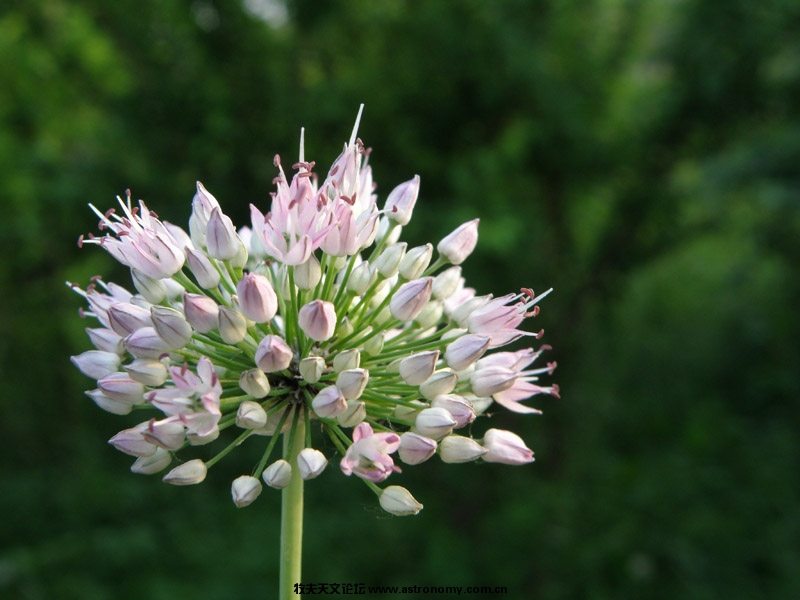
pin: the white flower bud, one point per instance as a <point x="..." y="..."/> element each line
<point x="411" y="298"/>
<point x="492" y="379"/>
<point x="399" y="501"/>
<point x="240" y="260"/>
<point x="459" y="244"/>
<point x="308" y="274"/>
<point x="388" y="262"/>
<point x="204" y="270"/>
<point x="311" y="463"/>
<point x="462" y="312"/>
<point x="257" y="299"/>
<point x="174" y="289"/>
<point x="195" y="439"/>
<point x="352" y="383"/>
<point x="415" y="369"/>
<point x="115" y="407"/>
<point x="441" y="382"/>
<point x="166" y="434"/>
<point x="430" y="314"/>
<point x="317" y="319"/>
<point x="388" y="230"/>
<point x="361" y="278"/>
<point x="311" y="368"/>
<point x="273" y="354"/>
<point x="171" y="326"/>
<point x="125" y="318"/>
<point x="232" y="325"/>
<point x="96" y="363"/>
<point x="254" y="382"/>
<point x="415" y="449"/>
<point x="251" y="415"/>
<point x="148" y="465"/>
<point x="346" y="328"/>
<point x="400" y="203"/>
<point x="349" y="359"/>
<point x="506" y="447"/>
<point x="278" y="475"/>
<point x="201" y="312"/>
<point x="120" y="387"/>
<point x="106" y="340"/>
<point x="460" y="449"/>
<point x="147" y="371"/>
<point x="446" y="283"/>
<point x="222" y="242"/>
<point x="465" y="350"/>
<point x="354" y="414"/>
<point x="245" y="490"/>
<point x="434" y="423"/>
<point x="130" y="441"/>
<point x="329" y="402"/>
<point x="153" y="290"/>
<point x="189" y="473"/>
<point x="145" y="343"/>
<point x="457" y="406"/>
<point x="374" y="345"/>
<point x="416" y="261"/>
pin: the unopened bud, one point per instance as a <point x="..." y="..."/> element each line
<point x="459" y="244"/>
<point x="148" y="465"/>
<point x="257" y="299"/>
<point x="201" y="312"/>
<point x="106" y="340"/>
<point x="278" y="475"/>
<point x="416" y="261"/>
<point x="232" y="325"/>
<point x="354" y="414"/>
<point x="222" y="242"/>
<point x="245" y="490"/>
<point x="361" y="278"/>
<point x="317" y="319"/>
<point x="465" y="350"/>
<point x="415" y="369"/>
<point x="430" y="314"/>
<point x="446" y="283"/>
<point x="254" y="382"/>
<point x="148" y="371"/>
<point x="352" y="383"/>
<point x="349" y="359"/>
<point x="120" y="387"/>
<point x="434" y="423"/>
<point x="145" y="343"/>
<point x="388" y="262"/>
<point x="171" y="326"/>
<point x="400" y="203"/>
<point x="399" y="501"/>
<point x="308" y="274"/>
<point x="153" y="290"/>
<point x="204" y="270"/>
<point x="311" y="368"/>
<point x="130" y="441"/>
<point x="115" y="407"/>
<point x="415" y="448"/>
<point x="125" y="318"/>
<point x="506" y="447"/>
<point x="96" y="363"/>
<point x="189" y="473"/>
<point x="329" y="402"/>
<point x="374" y="345"/>
<point x="273" y="354"/>
<point x="460" y="449"/>
<point x="457" y="406"/>
<point x="166" y="434"/>
<point x="311" y="463"/>
<point x="411" y="298"/>
<point x="251" y="415"/>
<point x="492" y="379"/>
<point x="441" y="382"/>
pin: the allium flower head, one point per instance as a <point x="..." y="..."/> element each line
<point x="316" y="322"/>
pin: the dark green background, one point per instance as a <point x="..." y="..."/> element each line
<point x="643" y="158"/>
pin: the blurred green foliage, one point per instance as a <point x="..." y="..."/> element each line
<point x="643" y="158"/>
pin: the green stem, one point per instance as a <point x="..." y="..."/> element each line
<point x="292" y="513"/>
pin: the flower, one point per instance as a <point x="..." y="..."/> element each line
<point x="315" y="314"/>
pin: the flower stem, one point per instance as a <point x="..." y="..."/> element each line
<point x="292" y="514"/>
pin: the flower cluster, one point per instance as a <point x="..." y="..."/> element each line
<point x="317" y="318"/>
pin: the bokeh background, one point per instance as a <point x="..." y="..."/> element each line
<point x="643" y="158"/>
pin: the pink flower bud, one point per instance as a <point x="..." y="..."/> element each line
<point x="459" y="449"/>
<point x="400" y="203"/>
<point x="278" y="475"/>
<point x="257" y="299"/>
<point x="318" y="320"/>
<point x="352" y="383"/>
<point x="434" y="423"/>
<point x="251" y="415"/>
<point x="459" y="244"/>
<point x="465" y="350"/>
<point x="201" y="312"/>
<point x="222" y="242"/>
<point x="273" y="354"/>
<point x="490" y="380"/>
<point x="130" y="441"/>
<point x="311" y="463"/>
<point x="329" y="402"/>
<point x="506" y="447"/>
<point x="232" y="325"/>
<point x="204" y="270"/>
<point x="171" y="326"/>
<point x="399" y="501"/>
<point x="415" y="369"/>
<point x="148" y="465"/>
<point x="96" y="363"/>
<point x="148" y="371"/>
<point x="415" y="449"/>
<point x="125" y="318"/>
<point x="145" y="343"/>
<point x="458" y="407"/>
<point x="245" y="490"/>
<point x="121" y="388"/>
<point x="411" y="298"/>
<point x="189" y="473"/>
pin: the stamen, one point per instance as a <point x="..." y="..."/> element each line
<point x="80" y="242"/>
<point x="539" y="335"/>
<point x="528" y="292"/>
<point x="277" y="160"/>
<point x="551" y="366"/>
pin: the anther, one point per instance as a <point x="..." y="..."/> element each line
<point x="539" y="335"/>
<point x="80" y="242"/>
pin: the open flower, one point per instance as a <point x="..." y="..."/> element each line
<point x="316" y="315"/>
